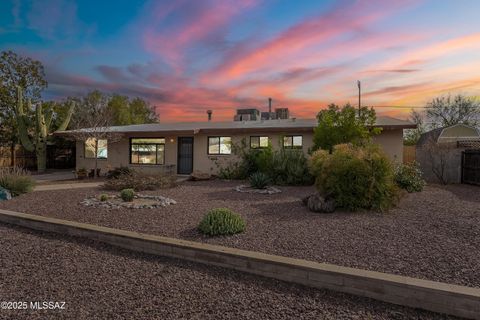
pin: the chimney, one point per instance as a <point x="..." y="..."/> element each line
<point x="270" y="105"/>
<point x="209" y="112"/>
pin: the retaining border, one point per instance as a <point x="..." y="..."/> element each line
<point x="434" y="296"/>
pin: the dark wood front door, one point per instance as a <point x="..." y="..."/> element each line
<point x="185" y="155"/>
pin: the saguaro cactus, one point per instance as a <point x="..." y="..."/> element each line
<point x="43" y="120"/>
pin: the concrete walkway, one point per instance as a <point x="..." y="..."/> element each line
<point x="67" y="186"/>
<point x="57" y="175"/>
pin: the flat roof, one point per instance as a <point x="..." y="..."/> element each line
<point x="242" y="126"/>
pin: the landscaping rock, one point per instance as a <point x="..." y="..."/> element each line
<point x="115" y="202"/>
<point x="5" y="194"/>
<point x="318" y="203"/>
<point x="247" y="189"/>
<point x="199" y="176"/>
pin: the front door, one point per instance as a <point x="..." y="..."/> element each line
<point x="185" y="155"/>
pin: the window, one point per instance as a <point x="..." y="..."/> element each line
<point x="102" y="148"/>
<point x="291" y="142"/>
<point x="219" y="145"/>
<point x="147" y="150"/>
<point x="258" y="142"/>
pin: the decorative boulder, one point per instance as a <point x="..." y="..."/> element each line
<point x="318" y="203"/>
<point x="199" y="176"/>
<point x="5" y="194"/>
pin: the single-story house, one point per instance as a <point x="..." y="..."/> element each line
<point x="204" y="146"/>
<point x="439" y="152"/>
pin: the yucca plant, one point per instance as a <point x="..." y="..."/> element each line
<point x="259" y="180"/>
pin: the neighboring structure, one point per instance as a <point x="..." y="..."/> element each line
<point x="204" y="146"/>
<point x="439" y="152"/>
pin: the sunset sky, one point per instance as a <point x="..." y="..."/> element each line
<point x="189" y="56"/>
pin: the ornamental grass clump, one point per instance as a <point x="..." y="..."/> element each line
<point x="409" y="177"/>
<point x="127" y="195"/>
<point x="16" y="180"/>
<point x="221" y="221"/>
<point x="357" y="177"/>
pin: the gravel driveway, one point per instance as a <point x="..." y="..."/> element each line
<point x="434" y="234"/>
<point x="97" y="281"/>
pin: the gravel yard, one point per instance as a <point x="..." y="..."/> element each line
<point x="97" y="281"/>
<point x="432" y="235"/>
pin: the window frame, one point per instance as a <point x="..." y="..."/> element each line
<point x="96" y="155"/>
<point x="130" y="144"/>
<point x="219" y="146"/>
<point x="259" y="145"/>
<point x="292" y="137"/>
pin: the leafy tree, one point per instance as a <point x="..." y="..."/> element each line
<point x="16" y="71"/>
<point x="93" y="120"/>
<point x="344" y="125"/>
<point x="411" y="136"/>
<point x="127" y="111"/>
<point x="446" y="111"/>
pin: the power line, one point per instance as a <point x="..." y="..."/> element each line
<point x="414" y="107"/>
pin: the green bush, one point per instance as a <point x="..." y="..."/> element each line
<point x="259" y="180"/>
<point x="127" y="195"/>
<point x="409" y="177"/>
<point x="221" y="221"/>
<point x="356" y="177"/>
<point x="16" y="180"/>
<point x="140" y="181"/>
<point x="103" y="197"/>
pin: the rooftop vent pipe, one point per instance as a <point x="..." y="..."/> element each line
<point x="209" y="112"/>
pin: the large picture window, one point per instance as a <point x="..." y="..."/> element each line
<point x="292" y="142"/>
<point x="219" y="145"/>
<point x="102" y="149"/>
<point x="258" y="142"/>
<point x="147" y="150"/>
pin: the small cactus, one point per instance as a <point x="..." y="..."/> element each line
<point x="127" y="195"/>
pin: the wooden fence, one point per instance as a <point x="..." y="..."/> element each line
<point x="58" y="157"/>
<point x="409" y="154"/>
<point x="23" y="158"/>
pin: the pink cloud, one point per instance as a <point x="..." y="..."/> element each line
<point x="199" y="22"/>
<point x="307" y="36"/>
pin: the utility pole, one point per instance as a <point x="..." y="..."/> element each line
<point x="359" y="96"/>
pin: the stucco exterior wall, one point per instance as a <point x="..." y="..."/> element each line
<point x="391" y="141"/>
<point x="119" y="152"/>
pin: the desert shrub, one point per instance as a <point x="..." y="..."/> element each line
<point x="231" y="172"/>
<point x="356" y="177"/>
<point x="16" y="180"/>
<point x="283" y="167"/>
<point x="127" y="195"/>
<point x="290" y="167"/>
<point x="103" y="197"/>
<point x="117" y="172"/>
<point x="259" y="180"/>
<point x="140" y="181"/>
<point x="409" y="177"/>
<point x="221" y="221"/>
